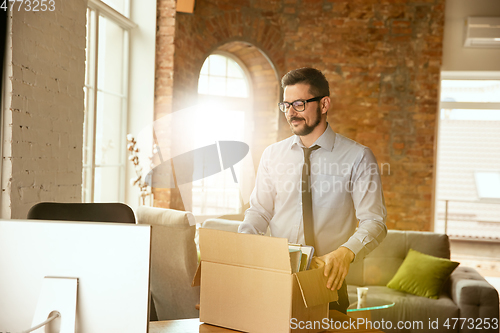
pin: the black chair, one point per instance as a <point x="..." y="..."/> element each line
<point x="90" y="212"/>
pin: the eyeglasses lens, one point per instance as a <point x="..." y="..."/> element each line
<point x="299" y="106"/>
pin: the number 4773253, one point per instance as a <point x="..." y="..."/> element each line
<point x="28" y="5"/>
<point x="471" y="323"/>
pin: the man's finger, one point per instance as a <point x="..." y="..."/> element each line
<point x="331" y="278"/>
<point x="328" y="267"/>
<point x="341" y="274"/>
<point x="338" y="282"/>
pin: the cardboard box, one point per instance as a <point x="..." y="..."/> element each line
<point x="247" y="284"/>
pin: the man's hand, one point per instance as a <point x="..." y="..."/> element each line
<point x="336" y="266"/>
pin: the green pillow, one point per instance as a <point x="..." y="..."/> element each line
<point x="422" y="275"/>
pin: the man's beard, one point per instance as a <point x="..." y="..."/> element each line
<point x="306" y="129"/>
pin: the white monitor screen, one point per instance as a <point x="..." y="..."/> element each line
<point x="110" y="260"/>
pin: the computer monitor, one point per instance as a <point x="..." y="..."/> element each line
<point x="110" y="260"/>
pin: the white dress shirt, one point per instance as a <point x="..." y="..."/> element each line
<point x="345" y="186"/>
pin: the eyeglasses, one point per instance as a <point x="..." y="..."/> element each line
<point x="298" y="105"/>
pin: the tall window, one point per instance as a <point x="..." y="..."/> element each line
<point x="468" y="168"/>
<point x="224" y="95"/>
<point x="106" y="100"/>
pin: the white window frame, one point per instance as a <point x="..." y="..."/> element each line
<point x="469" y="76"/>
<point x="461" y="75"/>
<point x="101" y="9"/>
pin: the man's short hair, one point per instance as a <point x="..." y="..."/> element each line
<point x="311" y="76"/>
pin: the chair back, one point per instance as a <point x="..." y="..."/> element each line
<point x="226" y="225"/>
<point x="221" y="224"/>
<point x="91" y="212"/>
<point x="173" y="262"/>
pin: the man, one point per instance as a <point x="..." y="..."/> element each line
<point x="315" y="186"/>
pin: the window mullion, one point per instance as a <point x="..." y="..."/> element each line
<point x="470" y="105"/>
<point x="88" y="89"/>
<point x="94" y="125"/>
<point x="124" y="115"/>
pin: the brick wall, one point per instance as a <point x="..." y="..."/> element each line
<point x="164" y="74"/>
<point x="382" y="59"/>
<point x="43" y="117"/>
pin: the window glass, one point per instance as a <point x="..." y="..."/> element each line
<point x="108" y="136"/>
<point x="486" y="91"/>
<point x="217" y="86"/>
<point x="218" y="194"/>
<point x="221" y="117"/>
<point x="217" y="65"/>
<point x="110" y="54"/>
<point x="107" y="180"/>
<point x="488" y="184"/>
<point x="203" y="84"/>
<point x="235" y="87"/>
<point x="222" y="76"/>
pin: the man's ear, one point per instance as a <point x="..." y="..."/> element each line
<point x="325" y="104"/>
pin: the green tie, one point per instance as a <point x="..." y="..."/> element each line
<point x="307" y="213"/>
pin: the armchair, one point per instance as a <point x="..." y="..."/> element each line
<point x="173" y="262"/>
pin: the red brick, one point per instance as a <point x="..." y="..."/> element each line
<point x="403" y="31"/>
<point x="401" y="24"/>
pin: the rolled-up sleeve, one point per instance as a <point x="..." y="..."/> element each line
<point x="369" y="203"/>
<point x="261" y="209"/>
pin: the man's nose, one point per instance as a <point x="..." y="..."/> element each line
<point x="291" y="112"/>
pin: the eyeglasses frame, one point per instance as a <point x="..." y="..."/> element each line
<point x="314" y="99"/>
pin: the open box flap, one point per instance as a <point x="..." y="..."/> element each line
<point x="313" y="288"/>
<point x="244" y="250"/>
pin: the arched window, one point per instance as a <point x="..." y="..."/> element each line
<point x="224" y="95"/>
<point x="222" y="76"/>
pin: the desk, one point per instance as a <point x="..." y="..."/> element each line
<point x="194" y="326"/>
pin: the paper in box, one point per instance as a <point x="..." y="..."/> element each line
<point x="247" y="284"/>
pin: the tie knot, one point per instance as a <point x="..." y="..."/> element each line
<point x="308" y="151"/>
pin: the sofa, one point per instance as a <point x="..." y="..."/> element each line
<point x="466" y="294"/>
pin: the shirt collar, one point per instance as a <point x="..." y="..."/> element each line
<point x="325" y="141"/>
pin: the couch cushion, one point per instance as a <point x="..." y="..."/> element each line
<point x="422" y="274"/>
<point x="378" y="267"/>
<point x="411" y="308"/>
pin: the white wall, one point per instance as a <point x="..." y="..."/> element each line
<point x="43" y="120"/>
<point x="455" y="56"/>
